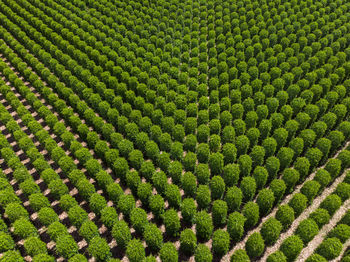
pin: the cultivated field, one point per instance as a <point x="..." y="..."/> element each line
<point x="174" y="130"/>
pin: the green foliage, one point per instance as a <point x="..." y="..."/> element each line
<point x="248" y="187"/>
<point x="126" y="204"/>
<point x="270" y="231"/>
<point x="15" y="211"/>
<point x="34" y="246"/>
<point x="47" y="216"/>
<point x="221" y="242"/>
<point x="298" y="203"/>
<point x="330" y="248"/>
<point x="291" y="247"/>
<point x="331" y="203"/>
<point x="204" y="225"/>
<point x="153" y="237"/>
<point x="168" y="253"/>
<point x="307" y="230"/>
<point x="66" y="246"/>
<point x="285" y="214"/>
<point x="188" y="241"/>
<point x="77" y="215"/>
<point x="172" y="194"/>
<point x="316" y="258"/>
<point x="88" y="230"/>
<point x="320" y="216"/>
<point x="99" y="249"/>
<point x="24" y="228"/>
<point x="255" y="245"/>
<point x="203" y="254"/>
<point x="121" y="233"/>
<point x="6" y="242"/>
<point x="44" y="258"/>
<point x="251" y="213"/>
<point x="135" y="251"/>
<point x="171" y="222"/>
<point x="265" y="200"/>
<point x="277" y="256"/>
<point x="341" y="231"/>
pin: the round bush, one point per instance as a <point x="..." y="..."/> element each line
<point x="203" y="174"/>
<point x="189" y="183"/>
<point x="135" y="251"/>
<point x="47" y="216"/>
<point x="109" y="216"/>
<point x="307" y="230"/>
<point x="188" y="210"/>
<point x="172" y="222"/>
<point x="38" y="201"/>
<point x="310" y="189"/>
<point x="6" y="242"/>
<point x="15" y="211"/>
<point x="316" y="258"/>
<point x="330" y="248"/>
<point x="240" y="255"/>
<point x="172" y="194"/>
<point x="255" y="245"/>
<point x="121" y="233"/>
<point x="331" y="203"/>
<point x="278" y="256"/>
<point x="160" y="180"/>
<point x="219" y="212"/>
<point x="188" y="241"/>
<point x="203" y="196"/>
<point x="66" y="246"/>
<point x="343" y="191"/>
<point x="12" y="256"/>
<point x="278" y="188"/>
<point x="320" y="216"/>
<point x="156" y="204"/>
<point x="231" y="174"/>
<point x="99" y="249"/>
<point x="265" y="200"/>
<point x="217" y="187"/>
<point x="221" y="242"/>
<point x="204" y="225"/>
<point x="23" y="228"/>
<point x="290" y="177"/>
<point x="45" y="258"/>
<point x="153" y="237"/>
<point x="270" y="231"/>
<point x="203" y="254"/>
<point x="298" y="203"/>
<point x="126" y="204"/>
<point x="138" y="219"/>
<point x="285" y="214"/>
<point x="291" y="247"/>
<point x="260" y="175"/>
<point x="251" y="213"/>
<point x="88" y="230"/>
<point x="78" y="258"/>
<point x="56" y="229"/>
<point x="341" y="231"/>
<point x="77" y="215"/>
<point x="216" y="163"/>
<point x="168" y="253"/>
<point x="248" y="187"/>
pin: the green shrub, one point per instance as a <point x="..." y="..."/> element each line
<point x="278" y="256"/>
<point x="231" y="174"/>
<point x="57" y="188"/>
<point x="11" y="256"/>
<point x="85" y="188"/>
<point x="97" y="203"/>
<point x="203" y="196"/>
<point x="56" y="229"/>
<point x="104" y="179"/>
<point x="135" y="251"/>
<point x="310" y="189"/>
<point x="78" y="258"/>
<point x="15" y="211"/>
<point x="341" y="231"/>
<point x="138" y="218"/>
<point x="144" y="192"/>
<point x="175" y="172"/>
<point x="291" y="247"/>
<point x="24" y="228"/>
<point x="217" y="187"/>
<point x="245" y="165"/>
<point x="285" y="214"/>
<point x="265" y="200"/>
<point x="248" y="187"/>
<point x="255" y="245"/>
<point x="88" y="230"/>
<point x="67" y="201"/>
<point x="77" y="215"/>
<point x="251" y="213"/>
<point x="189" y="183"/>
<point x="221" y="242"/>
<point x="153" y="237"/>
<point x="172" y="194"/>
<point x="323" y="178"/>
<point x="99" y="249"/>
<point x="216" y="163"/>
<point x="38" y="201"/>
<point x="298" y="203"/>
<point x="172" y="222"/>
<point x="156" y="204"/>
<point x="272" y="166"/>
<point x="168" y="253"/>
<point x="160" y="181"/>
<point x="219" y="212"/>
<point x="66" y="246"/>
<point x="202" y="173"/>
<point x="278" y="188"/>
<point x="331" y="203"/>
<point x="29" y="187"/>
<point x="316" y="258"/>
<point x="34" y="246"/>
<point x="6" y="242"/>
<point x="121" y="233"/>
<point x="47" y="216"/>
<point x="330" y="248"/>
<point x="270" y="230"/>
<point x="233" y="198"/>
<point x="203" y="254"/>
<point x="333" y="166"/>
<point x="109" y="216"/>
<point x="44" y="258"/>
<point x="343" y="191"/>
<point x="320" y="216"/>
<point x="126" y="204"/>
<point x="307" y="230"/>
<point x="188" y="210"/>
<point x="240" y="255"/>
<point x="133" y="180"/>
<point x="188" y="241"/>
<point x="260" y="175"/>
<point x="204" y="225"/>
